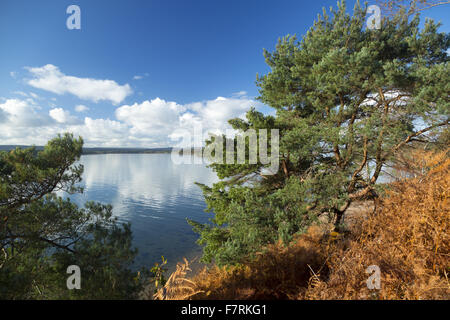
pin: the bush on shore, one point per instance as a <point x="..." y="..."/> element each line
<point x="406" y="237"/>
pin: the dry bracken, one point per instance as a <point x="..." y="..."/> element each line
<point x="407" y="237"/>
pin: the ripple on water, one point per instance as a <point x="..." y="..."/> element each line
<point x="155" y="195"/>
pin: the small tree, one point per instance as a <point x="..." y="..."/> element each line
<point x="42" y="234"/>
<point x="346" y="99"/>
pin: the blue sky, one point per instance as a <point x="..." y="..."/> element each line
<point x="137" y="70"/>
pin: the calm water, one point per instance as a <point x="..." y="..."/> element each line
<point x="155" y="195"/>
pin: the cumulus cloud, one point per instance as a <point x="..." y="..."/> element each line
<point x="164" y="120"/>
<point x="26" y="123"/>
<point x="50" y="78"/>
<point x="24" y="113"/>
<point x="151" y="123"/>
<point x="102" y="132"/>
<point x="62" y="116"/>
<point x="150" y="117"/>
<point x="215" y="114"/>
<point x="23" y="123"/>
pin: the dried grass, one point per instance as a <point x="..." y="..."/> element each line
<point x="407" y="237"/>
<point x="178" y="287"/>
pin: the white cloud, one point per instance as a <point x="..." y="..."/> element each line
<point x="161" y="121"/>
<point x="240" y="94"/>
<point x="214" y="114"/>
<point x="139" y="77"/>
<point x="154" y="119"/>
<point x="24" y="113"/>
<point x="50" y="78"/>
<point x="101" y="132"/>
<point x="150" y="115"/>
<point x="62" y="116"/>
<point x="26" y="124"/>
<point x="151" y="123"/>
<point x="81" y="108"/>
<point x="13" y="74"/>
<point x="23" y="122"/>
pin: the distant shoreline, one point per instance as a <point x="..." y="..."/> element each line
<point x="93" y="151"/>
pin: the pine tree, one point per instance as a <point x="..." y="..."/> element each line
<point x="347" y="98"/>
<point x="42" y="234"/>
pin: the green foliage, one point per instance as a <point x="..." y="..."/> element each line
<point x="157" y="272"/>
<point x="41" y="234"/>
<point x="346" y="100"/>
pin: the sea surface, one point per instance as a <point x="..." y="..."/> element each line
<point x="156" y="195"/>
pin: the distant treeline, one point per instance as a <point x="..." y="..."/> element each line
<point x="98" y="150"/>
<point x="193" y="151"/>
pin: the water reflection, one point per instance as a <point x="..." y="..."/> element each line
<point x="155" y="195"/>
